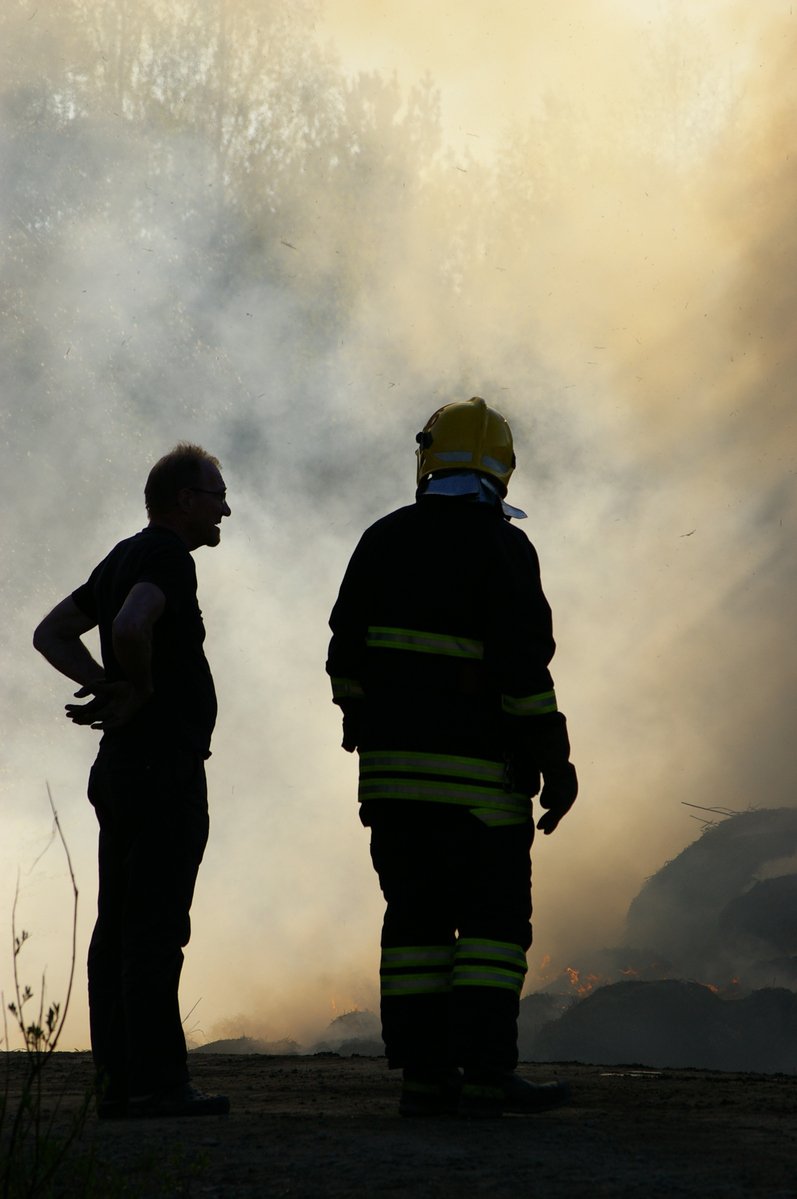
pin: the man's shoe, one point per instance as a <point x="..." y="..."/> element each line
<point x="489" y="1096"/>
<point x="524" y="1098"/>
<point x="111" y="1109"/>
<point x="430" y="1093"/>
<point x="110" y="1097"/>
<point x="181" y="1101"/>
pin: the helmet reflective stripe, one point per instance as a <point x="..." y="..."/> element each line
<point x="347" y="689"/>
<point x="529" y="705"/>
<point x="442" y="764"/>
<point x="452" y="456"/>
<point x="492" y="464"/>
<point x="381" y="637"/>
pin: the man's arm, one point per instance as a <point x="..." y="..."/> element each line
<point x="58" y="638"/>
<point x="114" y="704"/>
<point x="132" y="634"/>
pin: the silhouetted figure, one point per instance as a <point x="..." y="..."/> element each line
<point x="439" y="660"/>
<point x="154" y="700"/>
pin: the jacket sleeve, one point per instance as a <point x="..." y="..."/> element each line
<point x="349" y="625"/>
<point x="521" y="646"/>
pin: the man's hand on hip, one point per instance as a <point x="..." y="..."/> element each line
<point x="114" y="704"/>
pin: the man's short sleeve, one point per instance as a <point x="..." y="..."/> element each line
<point x="84" y="597"/>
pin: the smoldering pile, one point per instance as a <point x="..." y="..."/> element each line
<point x="353" y="1033"/>
<point x="708" y="968"/>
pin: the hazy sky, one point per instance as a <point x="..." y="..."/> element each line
<point x="637" y="328"/>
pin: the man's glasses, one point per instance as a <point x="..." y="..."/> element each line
<point x="220" y="494"/>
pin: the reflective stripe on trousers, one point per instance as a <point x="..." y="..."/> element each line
<point x="435" y="969"/>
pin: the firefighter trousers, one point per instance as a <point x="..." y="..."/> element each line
<point x="456" y="930"/>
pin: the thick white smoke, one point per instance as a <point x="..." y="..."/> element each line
<point x="224" y="237"/>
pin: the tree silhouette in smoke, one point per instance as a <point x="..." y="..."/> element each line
<point x="223" y="143"/>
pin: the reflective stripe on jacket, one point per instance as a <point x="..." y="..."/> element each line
<point x="441" y="639"/>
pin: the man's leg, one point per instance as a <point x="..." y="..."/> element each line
<point x="163" y="864"/>
<point x="106" y="997"/>
<point x="156" y="806"/>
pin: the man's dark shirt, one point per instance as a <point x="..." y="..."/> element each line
<point x="182" y="710"/>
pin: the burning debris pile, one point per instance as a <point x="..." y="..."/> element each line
<point x="352" y="1033"/>
<point x="708" y="970"/>
<point x="724" y="912"/>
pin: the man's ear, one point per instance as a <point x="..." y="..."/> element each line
<point x="185" y="499"/>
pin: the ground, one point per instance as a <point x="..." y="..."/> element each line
<point x="327" y="1126"/>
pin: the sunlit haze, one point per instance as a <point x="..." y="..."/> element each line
<point x="290" y="231"/>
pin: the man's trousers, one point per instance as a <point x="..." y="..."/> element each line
<point x="456" y="930"/>
<point x="151" y="804"/>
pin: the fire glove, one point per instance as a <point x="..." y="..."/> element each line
<point x="560" y="788"/>
<point x="352" y="720"/>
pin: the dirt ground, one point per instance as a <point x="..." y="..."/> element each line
<point x="328" y="1126"/>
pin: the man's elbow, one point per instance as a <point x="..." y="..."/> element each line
<point x="39" y="637"/>
<point x="66" y="623"/>
<point x="44" y="635"/>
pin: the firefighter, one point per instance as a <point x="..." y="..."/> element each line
<point x="441" y="640"/>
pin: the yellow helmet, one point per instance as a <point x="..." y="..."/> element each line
<point x="467" y="435"/>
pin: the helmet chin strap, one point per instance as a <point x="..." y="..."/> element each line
<point x="471" y="485"/>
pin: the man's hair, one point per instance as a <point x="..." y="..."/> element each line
<point x="180" y="468"/>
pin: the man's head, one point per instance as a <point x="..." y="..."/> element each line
<point x="467" y="435"/>
<point x="185" y="492"/>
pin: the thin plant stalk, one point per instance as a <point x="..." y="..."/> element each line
<point x="40" y="1039"/>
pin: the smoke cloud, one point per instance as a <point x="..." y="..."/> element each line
<point x="291" y="231"/>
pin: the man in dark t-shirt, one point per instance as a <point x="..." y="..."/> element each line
<point x="154" y="701"/>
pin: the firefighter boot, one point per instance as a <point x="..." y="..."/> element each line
<point x="489" y="1096"/>
<point x="430" y="1092"/>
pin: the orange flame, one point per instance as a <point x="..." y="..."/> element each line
<point x="584" y="987"/>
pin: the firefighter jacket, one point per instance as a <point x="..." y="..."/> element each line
<point x="441" y="640"/>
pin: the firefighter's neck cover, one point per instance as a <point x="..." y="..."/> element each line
<point x="469" y="484"/>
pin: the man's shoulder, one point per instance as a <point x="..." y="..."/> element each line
<point x="153" y="542"/>
<point x="151" y="555"/>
